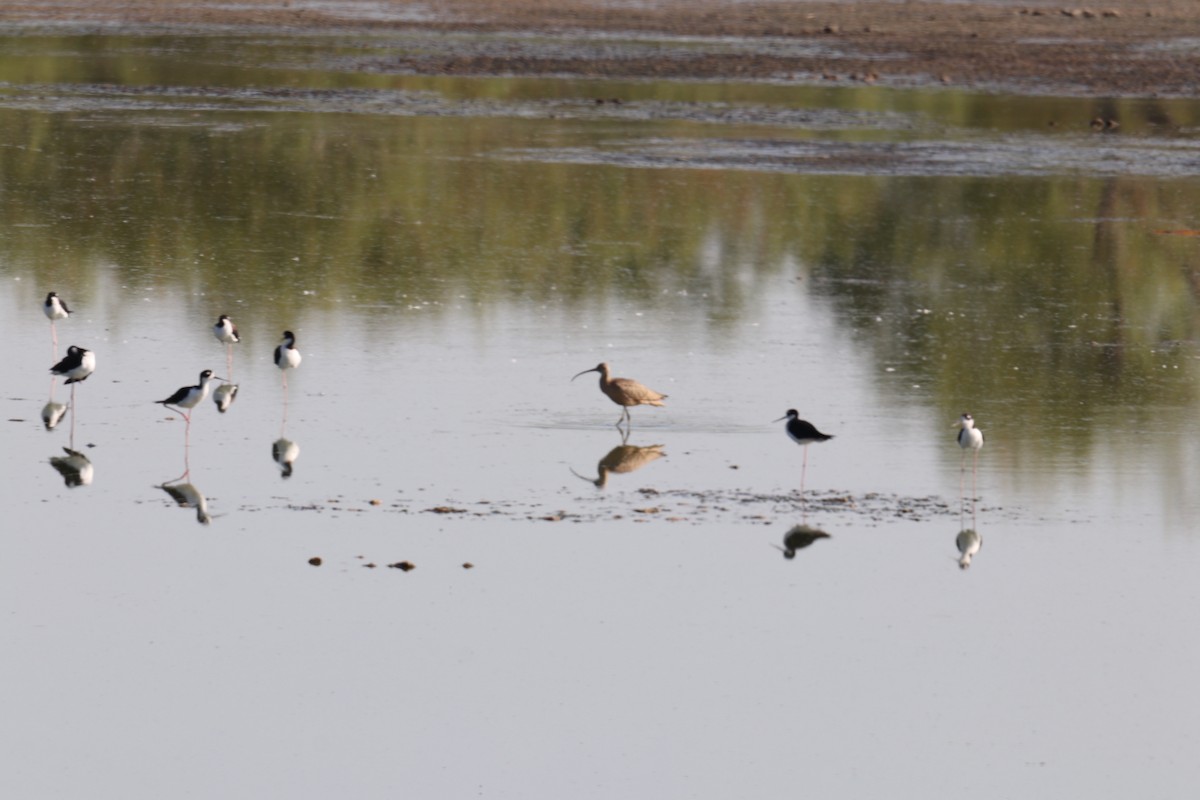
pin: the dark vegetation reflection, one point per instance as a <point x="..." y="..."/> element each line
<point x="1054" y="296"/>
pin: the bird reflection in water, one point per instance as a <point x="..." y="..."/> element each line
<point x="285" y="452"/>
<point x="623" y="459"/>
<point x="799" y="537"/>
<point x="186" y="495"/>
<point x="224" y="395"/>
<point x="52" y="413"/>
<point x="75" y="468"/>
<point x="968" y="543"/>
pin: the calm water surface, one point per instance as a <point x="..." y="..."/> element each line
<point x="449" y="253"/>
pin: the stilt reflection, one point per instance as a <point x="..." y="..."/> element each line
<point x="52" y="413"/>
<point x="75" y="468"/>
<point x="799" y="537"/>
<point x="285" y="452"/>
<point x="186" y="495"/>
<point x="224" y="395"/>
<point x="968" y="543"/>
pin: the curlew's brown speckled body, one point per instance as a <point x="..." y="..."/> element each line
<point x="625" y="391"/>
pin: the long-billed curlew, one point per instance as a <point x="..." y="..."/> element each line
<point x="624" y="391"/>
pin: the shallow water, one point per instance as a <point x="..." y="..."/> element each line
<point x="450" y="253"/>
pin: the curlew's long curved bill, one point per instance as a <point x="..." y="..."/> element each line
<point x="586" y="371"/>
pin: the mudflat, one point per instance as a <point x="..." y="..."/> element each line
<point x="1122" y="48"/>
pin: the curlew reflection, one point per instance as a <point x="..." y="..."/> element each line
<point x="186" y="495"/>
<point x="799" y="537"/>
<point x="623" y="459"/>
<point x="52" y="414"/>
<point x="224" y="395"/>
<point x="968" y="543"/>
<point x="75" y="468"/>
<point x="285" y="452"/>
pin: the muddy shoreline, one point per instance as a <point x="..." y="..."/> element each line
<point x="1122" y="48"/>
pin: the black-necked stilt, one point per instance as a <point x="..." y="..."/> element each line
<point x="55" y="309"/>
<point x="625" y="392"/>
<point x="968" y="543"/>
<point x="969" y="438"/>
<point x="227" y="334"/>
<point x="286" y="355"/>
<point x="285" y="452"/>
<point x="225" y="331"/>
<point x="799" y="537"/>
<point x="76" y="469"/>
<point x="802" y="433"/>
<point x="189" y="397"/>
<point x="77" y="365"/>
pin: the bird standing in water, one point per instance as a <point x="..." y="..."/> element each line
<point x="227" y="334"/>
<point x="225" y="331"/>
<point x="625" y="392"/>
<point x="54" y="309"/>
<point x="78" y="364"/>
<point x="802" y="433"/>
<point x="969" y="438"/>
<point x="286" y="355"/>
<point x="189" y="397"/>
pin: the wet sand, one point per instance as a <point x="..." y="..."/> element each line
<point x="1121" y="48"/>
